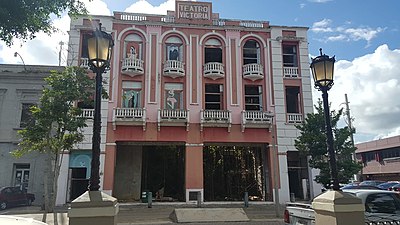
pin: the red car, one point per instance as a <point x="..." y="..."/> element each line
<point x="12" y="196"/>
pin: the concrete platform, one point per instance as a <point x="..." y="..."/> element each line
<point x="194" y="215"/>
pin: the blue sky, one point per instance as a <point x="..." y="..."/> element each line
<point x="364" y="35"/>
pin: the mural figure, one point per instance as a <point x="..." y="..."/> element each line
<point x="171" y="101"/>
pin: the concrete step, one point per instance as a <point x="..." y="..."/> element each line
<point x="193" y="215"/>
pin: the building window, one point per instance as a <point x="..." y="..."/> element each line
<point x="21" y="176"/>
<point x="133" y="46"/>
<point x="289" y="55"/>
<point x="251" y="52"/>
<point x="213" y="51"/>
<point x="253" y="97"/>
<point x="131" y="94"/>
<point x="173" y="96"/>
<point x="293" y="99"/>
<point x="213" y="96"/>
<point x="26" y="115"/>
<point x="390" y="153"/>
<point x="174" y="49"/>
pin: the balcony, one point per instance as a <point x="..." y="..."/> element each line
<point x="214" y="70"/>
<point x="256" y="119"/>
<point x="293" y="118"/>
<point x="132" y="66"/>
<point x="253" y="71"/>
<point x="87" y="113"/>
<point x="84" y="63"/>
<point x="170" y="117"/>
<point x="174" y="68"/>
<point x="290" y="72"/>
<point x="129" y="117"/>
<point x="215" y="118"/>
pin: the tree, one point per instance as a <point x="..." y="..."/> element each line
<point x="312" y="142"/>
<point x="24" y="18"/>
<point x="57" y="124"/>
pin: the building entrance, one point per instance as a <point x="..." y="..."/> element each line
<point x="230" y="171"/>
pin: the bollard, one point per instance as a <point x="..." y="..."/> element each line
<point x="199" y="199"/>
<point x="149" y="199"/>
<point x="246" y="199"/>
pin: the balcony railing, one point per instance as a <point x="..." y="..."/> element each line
<point x="174" y="68"/>
<point x="132" y="66"/>
<point x="87" y="113"/>
<point x="171" y="117"/>
<point x="214" y="70"/>
<point x="253" y="71"/>
<point x="84" y="63"/>
<point x="290" y="72"/>
<point x="256" y="119"/>
<point x="129" y="116"/>
<point x="215" y="118"/>
<point x="294" y="118"/>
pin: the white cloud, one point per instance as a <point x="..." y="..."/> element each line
<point x="322" y="26"/>
<point x="344" y="33"/>
<point x="143" y="6"/>
<point x="373" y="86"/>
<point x="44" y="49"/>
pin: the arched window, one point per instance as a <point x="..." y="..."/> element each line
<point x="133" y="46"/>
<point x="251" y="52"/>
<point x="174" y="49"/>
<point x="213" y="51"/>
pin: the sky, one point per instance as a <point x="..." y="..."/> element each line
<point x="364" y="36"/>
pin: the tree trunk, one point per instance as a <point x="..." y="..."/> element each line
<point x="46" y="189"/>
<point x="57" y="165"/>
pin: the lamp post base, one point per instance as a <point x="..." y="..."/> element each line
<point x="338" y="208"/>
<point x="93" y="207"/>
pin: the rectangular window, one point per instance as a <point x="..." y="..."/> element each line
<point x="131" y="94"/>
<point x="213" y="96"/>
<point x="21" y="176"/>
<point x="173" y="96"/>
<point x="289" y="55"/>
<point x="293" y="99"/>
<point x="253" y="97"/>
<point x="251" y="52"/>
<point x="213" y="55"/>
<point x="84" y="46"/>
<point x="26" y="115"/>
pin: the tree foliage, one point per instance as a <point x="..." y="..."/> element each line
<point x="57" y="124"/>
<point x="24" y="18"/>
<point x="312" y="142"/>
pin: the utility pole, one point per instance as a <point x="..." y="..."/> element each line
<point x="61" y="43"/>
<point x="351" y="127"/>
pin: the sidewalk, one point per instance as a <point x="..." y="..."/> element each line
<point x="139" y="213"/>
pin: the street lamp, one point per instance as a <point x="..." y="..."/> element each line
<point x="99" y="47"/>
<point x="322" y="69"/>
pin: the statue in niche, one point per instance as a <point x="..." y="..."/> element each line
<point x="132" y="52"/>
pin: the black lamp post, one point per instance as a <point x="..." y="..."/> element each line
<point x="99" y="47"/>
<point x="322" y="69"/>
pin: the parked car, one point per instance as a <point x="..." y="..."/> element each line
<point x="380" y="206"/>
<point x="370" y="187"/>
<point x="13" y="196"/>
<point x="387" y="185"/>
<point x="395" y="188"/>
<point x="372" y="182"/>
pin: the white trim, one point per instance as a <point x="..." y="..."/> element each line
<point x="268" y="75"/>
<point x="229" y="75"/>
<point x="132" y="29"/>
<point x="213" y="34"/>
<point x="255" y="36"/>
<point x="174" y="31"/>
<point x="239" y="76"/>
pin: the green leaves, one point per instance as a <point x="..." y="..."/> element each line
<point x="58" y="123"/>
<point x="312" y="141"/>
<point x="24" y="18"/>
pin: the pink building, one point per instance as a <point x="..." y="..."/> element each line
<point x="197" y="104"/>
<point x="380" y="158"/>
